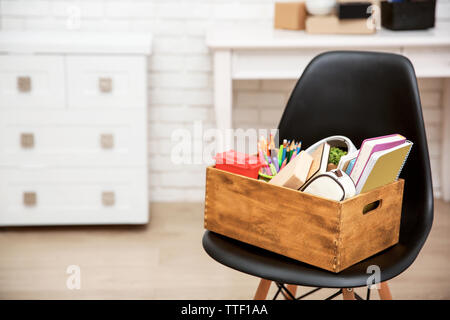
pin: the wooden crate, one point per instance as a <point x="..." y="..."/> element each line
<point x="324" y="233"/>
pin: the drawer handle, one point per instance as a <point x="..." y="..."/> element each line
<point x="29" y="198"/>
<point x="27" y="140"/>
<point x="107" y="141"/>
<point x="105" y="85"/>
<point x="24" y="84"/>
<point x="108" y="198"/>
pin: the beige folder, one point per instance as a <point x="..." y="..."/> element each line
<point x="295" y="173"/>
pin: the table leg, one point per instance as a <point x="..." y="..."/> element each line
<point x="223" y="98"/>
<point x="445" y="159"/>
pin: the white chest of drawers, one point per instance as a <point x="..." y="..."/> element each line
<point x="73" y="139"/>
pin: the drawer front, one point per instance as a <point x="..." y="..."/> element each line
<point x="429" y="62"/>
<point x="32" y="81"/>
<point x="73" y="196"/>
<point x="282" y="64"/>
<point x="73" y="138"/>
<point x="106" y="82"/>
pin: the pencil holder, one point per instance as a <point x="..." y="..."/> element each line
<point x="332" y="235"/>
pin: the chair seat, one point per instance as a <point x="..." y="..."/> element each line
<point x="268" y="265"/>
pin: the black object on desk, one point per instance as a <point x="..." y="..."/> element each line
<point x="354" y="10"/>
<point x="408" y="15"/>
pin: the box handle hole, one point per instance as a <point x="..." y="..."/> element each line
<point x="371" y="206"/>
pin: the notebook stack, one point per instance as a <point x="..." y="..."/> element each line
<point x="379" y="162"/>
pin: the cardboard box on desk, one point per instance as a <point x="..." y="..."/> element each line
<point x="324" y="233"/>
<point x="332" y="25"/>
<point x="290" y="15"/>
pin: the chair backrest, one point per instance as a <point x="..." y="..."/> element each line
<point x="362" y="95"/>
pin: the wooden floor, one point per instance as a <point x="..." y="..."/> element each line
<point x="165" y="260"/>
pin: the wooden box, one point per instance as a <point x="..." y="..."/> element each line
<point x="327" y="234"/>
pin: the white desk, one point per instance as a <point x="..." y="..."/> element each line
<point x="276" y="54"/>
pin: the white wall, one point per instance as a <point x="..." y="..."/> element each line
<point x="180" y="86"/>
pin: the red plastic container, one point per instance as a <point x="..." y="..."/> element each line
<point x="238" y="163"/>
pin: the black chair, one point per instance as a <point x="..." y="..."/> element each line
<point x="359" y="95"/>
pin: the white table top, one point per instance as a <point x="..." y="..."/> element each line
<point x="75" y="42"/>
<point x="264" y="38"/>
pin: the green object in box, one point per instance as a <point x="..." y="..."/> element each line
<point x="335" y="155"/>
<point x="265" y="177"/>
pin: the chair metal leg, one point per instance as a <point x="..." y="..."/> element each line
<point x="348" y="293"/>
<point x="368" y="293"/>
<point x="284" y="291"/>
<point x="384" y="292"/>
<point x="263" y="289"/>
<point x="292" y="289"/>
<point x="278" y="293"/>
<point x="308" y="293"/>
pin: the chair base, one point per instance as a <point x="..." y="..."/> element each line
<point x="289" y="292"/>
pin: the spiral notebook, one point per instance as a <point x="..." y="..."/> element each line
<point x="383" y="167"/>
<point x="369" y="147"/>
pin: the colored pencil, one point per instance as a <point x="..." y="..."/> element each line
<point x="294" y="151"/>
<point x="275" y="163"/>
<point x="273" y="152"/>
<point x="263" y="144"/>
<point x="284" y="164"/>
<point x="285" y="145"/>
<point x="299" y="147"/>
<point x="294" y="154"/>
<point x="272" y="170"/>
<point x="291" y="150"/>
<point x="288" y="151"/>
<point x="274" y="159"/>
<point x="271" y="143"/>
<point x="280" y="155"/>
<point x="265" y="167"/>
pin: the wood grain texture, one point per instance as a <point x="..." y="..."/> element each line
<point x="262" y="290"/>
<point x="363" y="235"/>
<point x="278" y="219"/>
<point x="348" y="294"/>
<point x="327" y="234"/>
<point x="292" y="289"/>
<point x="384" y="292"/>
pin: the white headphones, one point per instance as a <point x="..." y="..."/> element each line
<point x="334" y="141"/>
